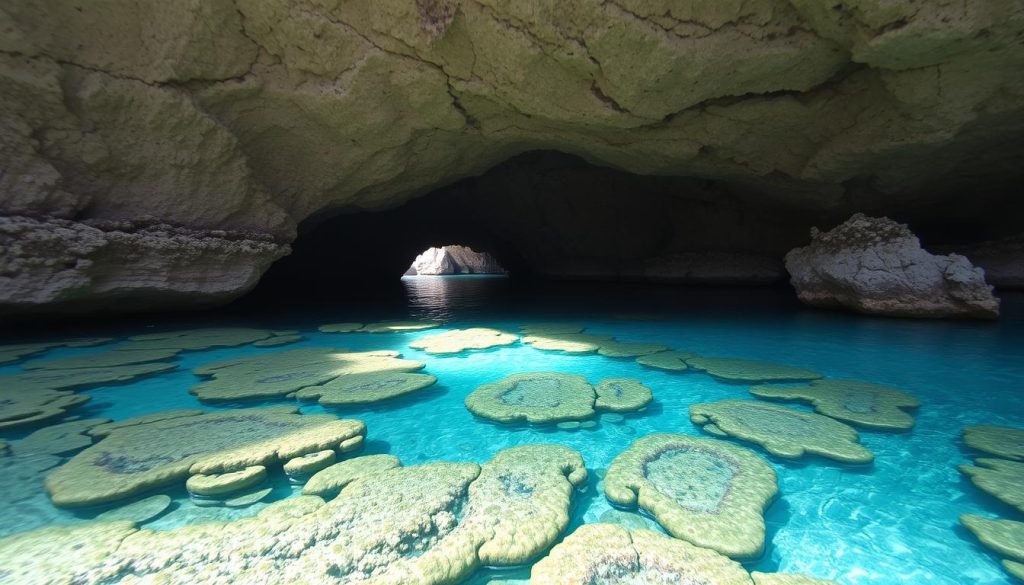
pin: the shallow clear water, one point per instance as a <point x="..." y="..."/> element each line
<point x="888" y="523"/>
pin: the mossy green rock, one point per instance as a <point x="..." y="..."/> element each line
<point x="106" y="359"/>
<point x="1005" y="442"/>
<point x="137" y="458"/>
<point x="860" y="403"/>
<point x="541" y="329"/>
<point x="739" y="370"/>
<point x="310" y="463"/>
<point x="219" y="484"/>
<point x="22" y="408"/>
<point x="625" y="349"/>
<point x="1005" y="537"/>
<point x="340" y="327"/>
<point x="1000" y="478"/>
<point x="567" y="342"/>
<point x="278" y="340"/>
<point x="707" y="492"/>
<point x="67" y="379"/>
<point x="331" y="480"/>
<point x="197" y="339"/>
<point x="622" y="395"/>
<point x="781" y="431"/>
<point x="60" y="439"/>
<point x="536" y="397"/>
<point x="141" y="511"/>
<point x="105" y="429"/>
<point x="674" y="361"/>
<point x="787" y="579"/>
<point x="428" y="524"/>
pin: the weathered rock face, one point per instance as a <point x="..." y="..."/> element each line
<point x="252" y="115"/>
<point x="1002" y="260"/>
<point x="454" y="260"/>
<point x="875" y="265"/>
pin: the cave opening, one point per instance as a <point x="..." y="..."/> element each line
<point x="454" y="260"/>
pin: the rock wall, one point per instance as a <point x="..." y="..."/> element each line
<point x="250" y="116"/>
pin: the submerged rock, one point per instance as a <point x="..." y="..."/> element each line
<point x="875" y="265"/>
<point x="859" y="403"/>
<point x="454" y="260"/>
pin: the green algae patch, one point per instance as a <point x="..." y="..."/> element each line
<point x="197" y="339"/>
<point x="1005" y="537"/>
<point x="219" y="484"/>
<point x="59" y="439"/>
<point x="707" y="492"/>
<point x="859" y="403"/>
<point x="535" y="397"/>
<point x="673" y="361"/>
<point x="622" y="395"/>
<point x="427" y="524"/>
<point x="398" y="326"/>
<point x="366" y="388"/>
<point x="331" y="480"/>
<point x="1000" y="478"/>
<point x="340" y="327"/>
<point x="460" y="340"/>
<point x="23" y="408"/>
<point x="106" y="359"/>
<point x="137" y="458"/>
<point x="781" y="431"/>
<point x="609" y="553"/>
<point x="278" y="374"/>
<point x="787" y="579"/>
<point x="43" y="380"/>
<point x="105" y="429"/>
<point x="1005" y="442"/>
<point x="739" y="370"/>
<point x="138" y="512"/>
<point x="278" y="340"/>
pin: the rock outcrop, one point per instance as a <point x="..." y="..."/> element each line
<point x="251" y="116"/>
<point x="454" y="260"/>
<point x="1002" y="260"/>
<point x="875" y="265"/>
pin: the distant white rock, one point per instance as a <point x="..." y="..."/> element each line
<point x="454" y="260"/>
<point x="875" y="265"/>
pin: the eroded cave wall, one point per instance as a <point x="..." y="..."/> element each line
<point x="207" y="125"/>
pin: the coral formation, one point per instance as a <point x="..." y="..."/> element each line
<point x="704" y="491"/>
<point x="365" y="388"/>
<point x="460" y="340"/>
<point x="132" y="459"/>
<point x="781" y="431"/>
<point x="859" y="403"/>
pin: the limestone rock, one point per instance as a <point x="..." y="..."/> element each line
<point x="875" y="265"/>
<point x="454" y="260"/>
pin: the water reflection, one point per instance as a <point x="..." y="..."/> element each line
<point x="442" y="298"/>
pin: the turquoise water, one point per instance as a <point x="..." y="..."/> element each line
<point x="892" y="522"/>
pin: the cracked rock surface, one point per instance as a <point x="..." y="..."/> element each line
<point x="237" y="119"/>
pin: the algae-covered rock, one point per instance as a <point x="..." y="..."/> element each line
<point x="739" y="370"/>
<point x="44" y="380"/>
<point x="397" y="326"/>
<point x="608" y="553"/>
<point x="219" y="484"/>
<point x="329" y="481"/>
<point x="787" y="579"/>
<point x="197" y="339"/>
<point x="340" y="327"/>
<point x="622" y="395"/>
<point x="1000" y="478"/>
<point x="25" y="407"/>
<point x="278" y="340"/>
<point x="536" y="397"/>
<point x="17" y="352"/>
<point x="428" y="524"/>
<point x="859" y="403"/>
<point x="60" y="439"/>
<point x="707" y="492"/>
<point x="309" y="463"/>
<point x="105" y="429"/>
<point x="674" y="361"/>
<point x="567" y="342"/>
<point x="106" y="359"/>
<point x="625" y="349"/>
<point x="1005" y="537"/>
<point x="248" y="499"/>
<point x="459" y="340"/>
<point x="1005" y="442"/>
<point x="781" y="431"/>
<point x="366" y="388"/>
<point x="541" y="329"/>
<point x="136" y="458"/>
<point x="280" y="373"/>
<point x="138" y="512"/>
<point x="1014" y="568"/>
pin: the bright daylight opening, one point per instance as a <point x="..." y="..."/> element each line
<point x="453" y="260"/>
